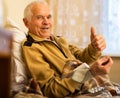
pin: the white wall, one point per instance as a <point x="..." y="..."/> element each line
<point x="14" y="9"/>
<point x="1" y="13"/>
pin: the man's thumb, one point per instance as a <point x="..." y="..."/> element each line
<point x="93" y="34"/>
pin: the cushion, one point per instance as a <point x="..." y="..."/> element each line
<point x="18" y="66"/>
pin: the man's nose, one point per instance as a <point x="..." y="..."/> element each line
<point x="45" y="20"/>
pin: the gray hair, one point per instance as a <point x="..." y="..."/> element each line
<point x="27" y="11"/>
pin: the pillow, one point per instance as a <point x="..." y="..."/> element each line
<point x="19" y="74"/>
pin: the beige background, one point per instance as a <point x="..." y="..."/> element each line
<point x="14" y="10"/>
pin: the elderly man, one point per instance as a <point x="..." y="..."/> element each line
<point x="59" y="68"/>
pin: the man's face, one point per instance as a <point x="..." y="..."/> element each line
<point x="41" y="21"/>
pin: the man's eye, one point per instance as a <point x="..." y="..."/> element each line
<point x="39" y="17"/>
<point x="44" y="17"/>
<point x="49" y="17"/>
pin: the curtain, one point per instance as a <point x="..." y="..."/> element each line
<point x="74" y="18"/>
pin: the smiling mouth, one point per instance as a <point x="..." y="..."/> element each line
<point x="44" y="28"/>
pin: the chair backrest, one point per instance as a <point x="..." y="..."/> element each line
<point x="19" y="75"/>
<point x="5" y="62"/>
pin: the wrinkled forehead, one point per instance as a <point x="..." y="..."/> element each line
<point x="40" y="8"/>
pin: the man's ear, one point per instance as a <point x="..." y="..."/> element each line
<point x="25" y="22"/>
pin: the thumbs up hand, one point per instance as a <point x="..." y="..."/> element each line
<point x="97" y="41"/>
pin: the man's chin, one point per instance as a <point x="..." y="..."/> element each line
<point x="46" y="36"/>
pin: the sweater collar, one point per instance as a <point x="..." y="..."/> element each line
<point x="37" y="38"/>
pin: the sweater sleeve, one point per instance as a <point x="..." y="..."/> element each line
<point x="88" y="55"/>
